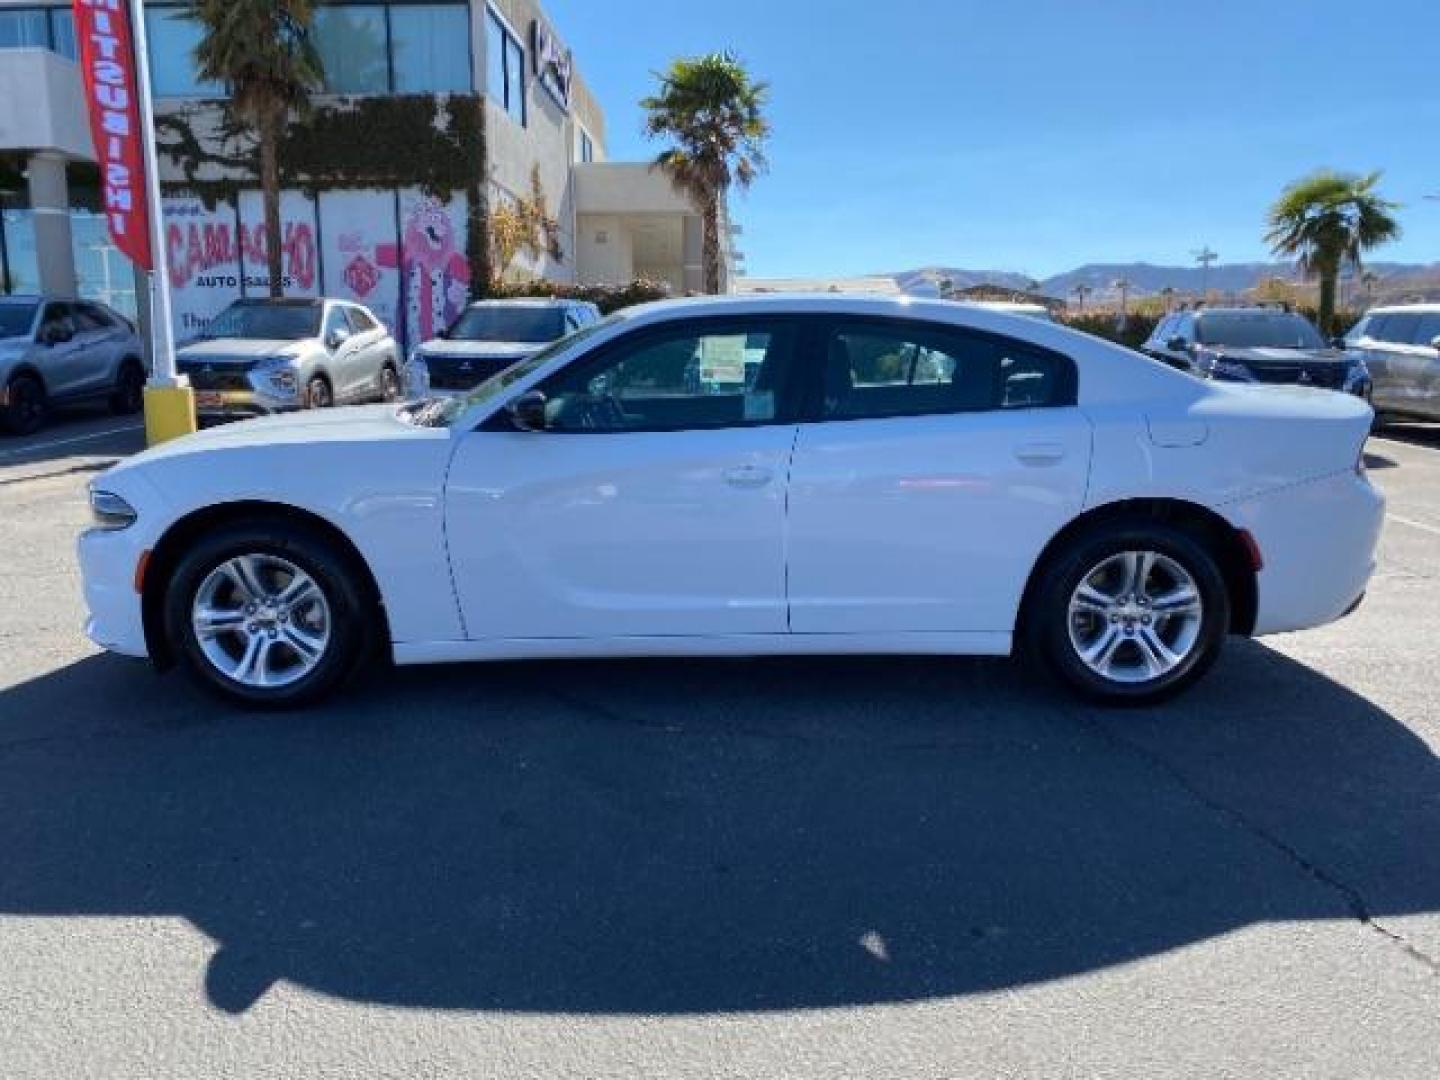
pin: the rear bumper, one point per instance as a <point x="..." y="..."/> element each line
<point x="1318" y="541"/>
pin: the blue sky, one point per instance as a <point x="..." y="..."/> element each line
<point x="1037" y="136"/>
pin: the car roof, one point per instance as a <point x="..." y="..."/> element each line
<point x="1405" y="309"/>
<point x="21" y="298"/>
<point x="538" y="302"/>
<point x="1248" y="311"/>
<point x="285" y="301"/>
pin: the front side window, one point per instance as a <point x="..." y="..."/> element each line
<point x="173" y="38"/>
<point x="360" y="320"/>
<point x="677" y="380"/>
<point x="431" y="47"/>
<point x="876" y="372"/>
<point x="336" y="323"/>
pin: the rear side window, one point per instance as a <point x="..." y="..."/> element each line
<point x="878" y="372"/>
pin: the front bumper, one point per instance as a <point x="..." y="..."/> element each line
<point x="108" y="565"/>
<point x="1319" y="541"/>
<point x="240" y="404"/>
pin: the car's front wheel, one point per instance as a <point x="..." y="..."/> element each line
<point x="1131" y="614"/>
<point x="267" y="614"/>
<point x="24" y="409"/>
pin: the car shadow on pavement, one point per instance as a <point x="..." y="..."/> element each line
<point x="685" y="837"/>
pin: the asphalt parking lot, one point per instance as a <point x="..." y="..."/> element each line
<point x="779" y="868"/>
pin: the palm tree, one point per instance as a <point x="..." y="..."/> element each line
<point x="713" y="110"/>
<point x="1369" y="279"/>
<point x="1081" y="292"/>
<point x="1327" y="221"/>
<point x="261" y="50"/>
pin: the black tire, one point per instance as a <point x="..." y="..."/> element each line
<point x="352" y="617"/>
<point x="25" y="406"/>
<point x="1048" y="618"/>
<point x="318" y="394"/>
<point x="128" y="397"/>
<point x="391" y="389"/>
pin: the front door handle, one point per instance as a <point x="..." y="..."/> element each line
<point x="1040" y="454"/>
<point x="749" y="476"/>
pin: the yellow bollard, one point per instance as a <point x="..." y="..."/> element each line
<point x="169" y="413"/>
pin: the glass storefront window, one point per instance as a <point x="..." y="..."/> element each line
<point x="20" y="257"/>
<point x="431" y="47"/>
<point x="351" y="40"/>
<point x="62" y="33"/>
<point x="173" y="39"/>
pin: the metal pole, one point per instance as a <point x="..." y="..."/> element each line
<point x="162" y="324"/>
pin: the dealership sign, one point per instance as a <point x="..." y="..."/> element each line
<point x="107" y="62"/>
<point x="554" y="64"/>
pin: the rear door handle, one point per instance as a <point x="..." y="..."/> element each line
<point x="1039" y="454"/>
<point x="749" y="476"/>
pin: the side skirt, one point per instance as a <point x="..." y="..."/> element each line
<point x="460" y="652"/>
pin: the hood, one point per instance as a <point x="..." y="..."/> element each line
<point x="232" y="349"/>
<point x="11" y="345"/>
<point x="1276" y="356"/>
<point x="442" y="349"/>
<point x="363" y="423"/>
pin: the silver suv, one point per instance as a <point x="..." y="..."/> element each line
<point x="1401" y="346"/>
<point x="268" y="356"/>
<point x="58" y="352"/>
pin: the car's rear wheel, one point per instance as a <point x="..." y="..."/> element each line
<point x="268" y="614"/>
<point x="1131" y="614"/>
<point x="317" y="394"/>
<point x="25" y="406"/>
<point x="128" y="397"/>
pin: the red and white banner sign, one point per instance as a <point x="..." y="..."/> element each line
<point x="112" y="94"/>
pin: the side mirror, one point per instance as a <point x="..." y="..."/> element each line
<point x="1177" y="344"/>
<point x="1338" y="343"/>
<point x="527" y="412"/>
<point x="1435" y="342"/>
<point x="56" y="333"/>
<point x="443" y="333"/>
<point x="337" y="338"/>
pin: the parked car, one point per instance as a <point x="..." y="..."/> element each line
<point x="1256" y="345"/>
<point x="489" y="337"/>
<point x="59" y="352"/>
<point x="1401" y="347"/>
<point x="899" y="477"/>
<point x="269" y="356"/>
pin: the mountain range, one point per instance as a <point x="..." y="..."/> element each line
<point x="1146" y="279"/>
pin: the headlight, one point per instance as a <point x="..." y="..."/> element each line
<point x="1217" y="367"/>
<point x="109" y="511"/>
<point x="277" y="375"/>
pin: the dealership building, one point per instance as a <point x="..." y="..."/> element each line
<point x="433" y="118"/>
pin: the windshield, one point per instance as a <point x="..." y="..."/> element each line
<point x="266" y="322"/>
<point x="1258" y="330"/>
<point x="16" y="319"/>
<point x="530" y="325"/>
<point x="442" y="412"/>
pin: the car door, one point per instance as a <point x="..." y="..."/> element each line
<point x="1420" y="374"/>
<point x="368" y="356"/>
<point x="341" y="344"/>
<point x="937" y="466"/>
<point x="652" y="502"/>
<point x="99" y="343"/>
<point x="60" y="352"/>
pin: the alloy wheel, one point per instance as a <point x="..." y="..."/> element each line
<point x="261" y="621"/>
<point x="1136" y="617"/>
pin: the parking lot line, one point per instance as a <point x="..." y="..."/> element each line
<point x="1422" y="526"/>
<point x="56" y="443"/>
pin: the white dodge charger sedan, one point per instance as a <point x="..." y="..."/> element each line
<point x="759" y="476"/>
